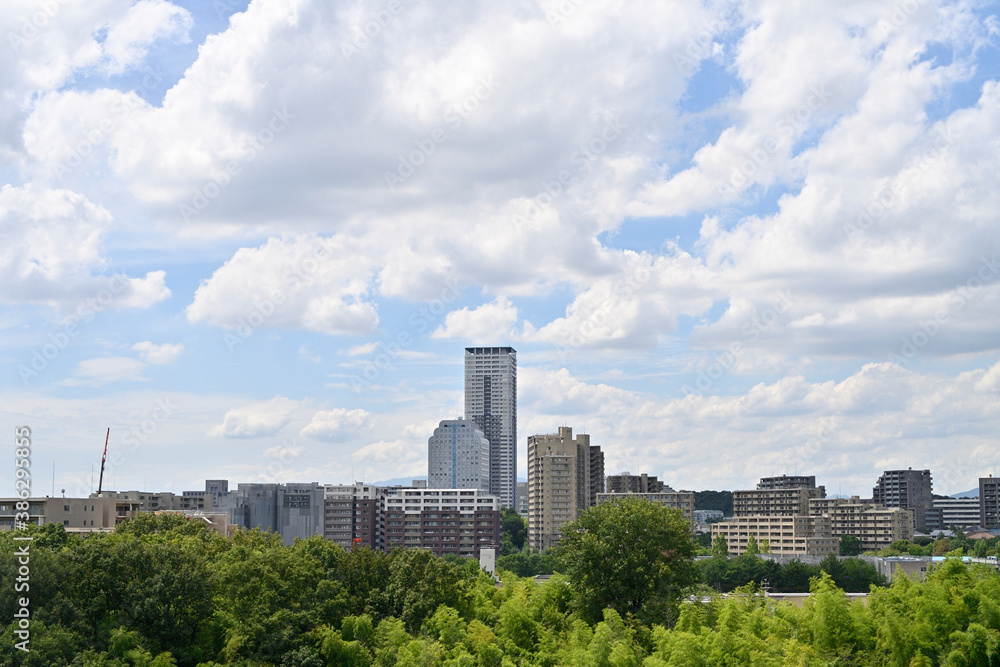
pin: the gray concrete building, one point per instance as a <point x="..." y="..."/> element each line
<point x="290" y="510"/>
<point x="907" y="489"/>
<point x="491" y="402"/>
<point x="791" y="482"/>
<point x="458" y="456"/>
<point x="989" y="502"/>
<point x="683" y="501"/>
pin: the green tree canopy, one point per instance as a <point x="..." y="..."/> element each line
<point x="630" y="555"/>
<point x="850" y="545"/>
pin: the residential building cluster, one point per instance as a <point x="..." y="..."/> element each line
<point x="472" y="475"/>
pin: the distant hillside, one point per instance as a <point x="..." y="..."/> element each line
<point x="714" y="500"/>
<point x="971" y="493"/>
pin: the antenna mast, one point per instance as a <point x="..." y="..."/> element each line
<point x="100" y="482"/>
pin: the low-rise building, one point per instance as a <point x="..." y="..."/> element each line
<point x="81" y="515"/>
<point x="681" y="501"/>
<point x="877" y="527"/>
<point x="960" y="512"/>
<point x="802" y="535"/>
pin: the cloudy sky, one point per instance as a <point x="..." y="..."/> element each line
<point x="728" y="240"/>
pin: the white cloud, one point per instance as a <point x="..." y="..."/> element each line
<point x="312" y="283"/>
<point x="146" y="22"/>
<point x="50" y="248"/>
<point x="159" y="354"/>
<point x="337" y="425"/>
<point x="255" y="420"/>
<point x="487" y="322"/>
<point x="106" y="370"/>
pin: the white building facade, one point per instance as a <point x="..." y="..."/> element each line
<point x="458" y="457"/>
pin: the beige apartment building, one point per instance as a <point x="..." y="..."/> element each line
<point x="786" y="535"/>
<point x="682" y="501"/>
<point x="559" y="483"/>
<point x="80" y="515"/>
<point x="876" y="526"/>
<point x="775" y="501"/>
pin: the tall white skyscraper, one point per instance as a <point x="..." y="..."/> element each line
<point x="491" y="402"/>
<point x="458" y="457"/>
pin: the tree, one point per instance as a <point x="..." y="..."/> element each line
<point x="720" y="547"/>
<point x="752" y="548"/>
<point x="630" y="555"/>
<point x="850" y="545"/>
<point x="513" y="530"/>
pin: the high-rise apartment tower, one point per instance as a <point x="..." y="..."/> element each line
<point x="491" y="402"/>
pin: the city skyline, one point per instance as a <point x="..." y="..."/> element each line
<point x="728" y="240"/>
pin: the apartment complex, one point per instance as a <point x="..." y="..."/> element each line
<point x="877" y="527"/>
<point x="786" y="535"/>
<point x="989" y="502"/>
<point x="491" y="402"/>
<point x="559" y="483"/>
<point x="354" y="515"/>
<point x="907" y="489"/>
<point x="793" y="501"/>
<point x="946" y="513"/>
<point x="444" y="521"/>
<point x="682" y="501"/>
<point x="628" y="483"/>
<point x="458" y="456"/>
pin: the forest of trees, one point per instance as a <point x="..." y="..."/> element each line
<point x="164" y="591"/>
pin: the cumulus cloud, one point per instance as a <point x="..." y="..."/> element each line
<point x="336" y="425"/>
<point x="487" y="322"/>
<point x="51" y="248"/>
<point x="316" y="283"/>
<point x="255" y="420"/>
<point x="147" y="21"/>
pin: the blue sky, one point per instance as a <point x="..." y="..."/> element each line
<point x="727" y="240"/>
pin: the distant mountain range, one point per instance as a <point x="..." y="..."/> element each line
<point x="972" y="493"/>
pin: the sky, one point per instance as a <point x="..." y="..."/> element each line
<point x="727" y="239"/>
